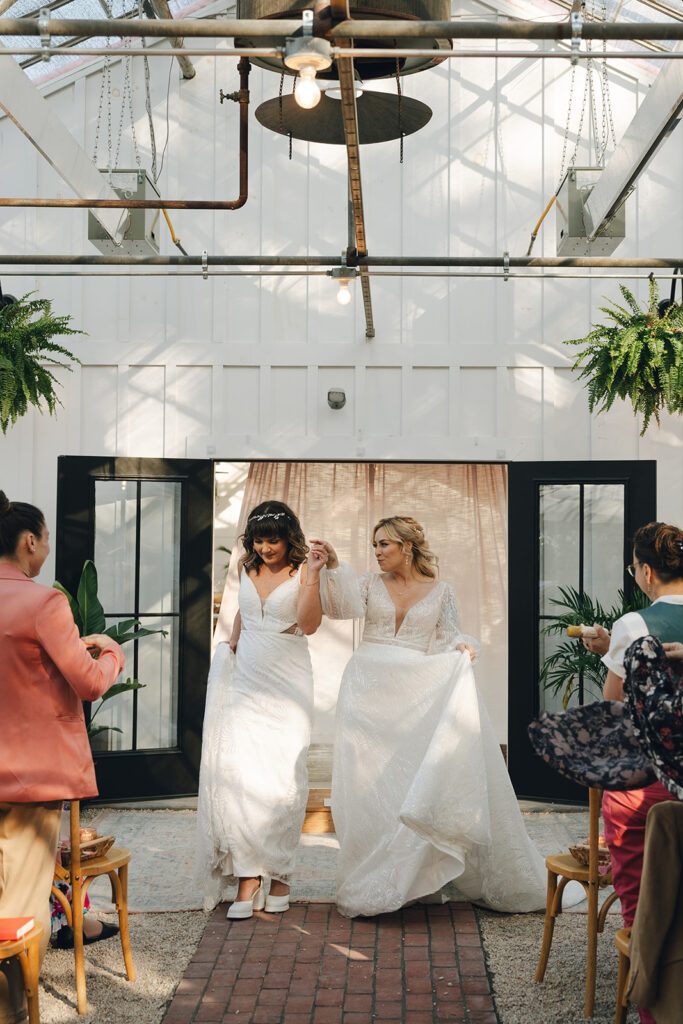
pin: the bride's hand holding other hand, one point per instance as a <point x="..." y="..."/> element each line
<point x="317" y="558"/>
<point x="331" y="560"/>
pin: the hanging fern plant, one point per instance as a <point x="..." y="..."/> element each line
<point x="27" y="355"/>
<point x="638" y="356"/>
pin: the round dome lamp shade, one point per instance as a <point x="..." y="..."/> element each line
<point x="6" y="300"/>
<point x="379" y="118"/>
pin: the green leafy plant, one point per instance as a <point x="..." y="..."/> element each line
<point x="571" y="661"/>
<point x="89" y="617"/>
<point x="638" y="356"/>
<point x="26" y="355"/>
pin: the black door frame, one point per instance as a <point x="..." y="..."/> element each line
<point x="173" y="771"/>
<point x="531" y="777"/>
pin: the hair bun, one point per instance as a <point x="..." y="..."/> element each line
<point x="5" y="504"/>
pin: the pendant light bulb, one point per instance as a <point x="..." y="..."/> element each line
<point x="307" y="92"/>
<point x="344" y="293"/>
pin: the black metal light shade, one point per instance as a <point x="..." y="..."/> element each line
<point x="381" y="118"/>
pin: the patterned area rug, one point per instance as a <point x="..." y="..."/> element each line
<point x="162" y="866"/>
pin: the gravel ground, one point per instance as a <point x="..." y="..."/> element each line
<point x="513" y="942"/>
<point x="162" y="947"/>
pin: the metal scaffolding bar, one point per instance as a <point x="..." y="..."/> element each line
<point x="486" y="262"/>
<point x="352" y="29"/>
<point x="337" y="52"/>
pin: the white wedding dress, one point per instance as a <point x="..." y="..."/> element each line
<point x="420" y="792"/>
<point x="253" y="781"/>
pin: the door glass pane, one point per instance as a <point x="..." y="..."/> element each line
<point x="137" y="553"/>
<point x="115" y="511"/>
<point x="603" y="545"/>
<point x="559" y="519"/>
<point x="581" y="543"/>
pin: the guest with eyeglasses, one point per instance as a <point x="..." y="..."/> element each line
<point x="657" y="568"/>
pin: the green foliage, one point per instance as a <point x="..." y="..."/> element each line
<point x="89" y="617"/>
<point x="561" y="670"/>
<point x="639" y="356"/>
<point x="26" y="355"/>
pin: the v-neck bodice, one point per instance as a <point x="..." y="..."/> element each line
<point x="276" y="613"/>
<point x="419" y="622"/>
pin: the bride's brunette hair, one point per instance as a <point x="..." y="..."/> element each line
<point x="273" y="520"/>
<point x="407" y="531"/>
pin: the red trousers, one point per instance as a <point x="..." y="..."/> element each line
<point x="624" y="815"/>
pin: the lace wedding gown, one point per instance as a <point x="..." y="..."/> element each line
<point x="420" y="791"/>
<point x="253" y="781"/>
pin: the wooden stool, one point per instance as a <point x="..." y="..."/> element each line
<point x="79" y="874"/>
<point x="565" y="867"/>
<point x="622" y="940"/>
<point x="27" y="949"/>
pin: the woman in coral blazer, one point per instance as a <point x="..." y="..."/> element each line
<point x="46" y="671"/>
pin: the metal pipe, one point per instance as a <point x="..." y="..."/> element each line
<point x="242" y="98"/>
<point x="324" y="273"/>
<point x="336" y="51"/>
<point x="163" y="11"/>
<point x="354" y="29"/>
<point x="486" y="262"/>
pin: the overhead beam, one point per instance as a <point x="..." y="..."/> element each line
<point x="352" y="29"/>
<point x="33" y="115"/>
<point x="264" y="260"/>
<point x="163" y="11"/>
<point x="655" y="119"/>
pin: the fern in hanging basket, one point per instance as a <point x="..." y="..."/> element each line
<point x="27" y="355"/>
<point x="638" y="356"/>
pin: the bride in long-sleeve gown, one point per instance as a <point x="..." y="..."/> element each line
<point x="420" y="791"/>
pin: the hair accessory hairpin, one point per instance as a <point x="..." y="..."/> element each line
<point x="267" y="515"/>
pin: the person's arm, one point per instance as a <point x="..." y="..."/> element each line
<point x="600" y="643"/>
<point x="614" y="687"/>
<point x="674" y="651"/>
<point x="309" y="611"/>
<point x="236" y="630"/>
<point x="58" y="636"/>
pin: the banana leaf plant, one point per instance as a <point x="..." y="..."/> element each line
<point x="89" y="617"/>
<point x="570" y="661"/>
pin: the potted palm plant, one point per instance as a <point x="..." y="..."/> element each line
<point x="571" y="662"/>
<point x="637" y="355"/>
<point x="89" y="618"/>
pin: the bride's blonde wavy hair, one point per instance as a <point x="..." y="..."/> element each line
<point x="406" y="530"/>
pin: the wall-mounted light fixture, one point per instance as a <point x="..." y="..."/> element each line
<point x="336" y="398"/>
<point x="307" y="55"/>
<point x="345" y="275"/>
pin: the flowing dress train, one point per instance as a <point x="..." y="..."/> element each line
<point x="253" y="782"/>
<point x="420" y="792"/>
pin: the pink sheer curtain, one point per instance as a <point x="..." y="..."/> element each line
<point x="463" y="509"/>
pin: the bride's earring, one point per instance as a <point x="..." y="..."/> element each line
<point x="407" y="559"/>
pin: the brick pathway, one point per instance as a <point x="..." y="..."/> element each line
<point x="422" y="965"/>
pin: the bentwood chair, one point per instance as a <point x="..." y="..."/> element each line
<point x="622" y="940"/>
<point x="27" y="951"/>
<point x="79" y="873"/>
<point x="564" y="867"/>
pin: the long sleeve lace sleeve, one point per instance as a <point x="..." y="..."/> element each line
<point x="448" y="632"/>
<point x="341" y="593"/>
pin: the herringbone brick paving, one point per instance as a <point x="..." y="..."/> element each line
<point x="421" y="965"/>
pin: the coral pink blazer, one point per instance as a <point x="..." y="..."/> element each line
<point x="45" y="673"/>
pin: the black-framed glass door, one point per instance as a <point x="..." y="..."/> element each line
<point x="570" y="525"/>
<point x="148" y="526"/>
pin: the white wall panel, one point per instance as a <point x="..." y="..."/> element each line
<point x="240" y="411"/>
<point x="193" y="404"/>
<point x="382" y="406"/>
<point x="477" y="414"/>
<point x="523" y="403"/>
<point x="428" y="410"/>
<point x="286" y="413"/>
<point x="143" y="411"/>
<point x="568" y="435"/>
<point x="99" y="423"/>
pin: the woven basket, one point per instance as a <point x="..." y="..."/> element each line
<point x="89" y="849"/>
<point x="581" y="853"/>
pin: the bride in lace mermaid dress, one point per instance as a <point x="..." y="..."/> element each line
<point x="420" y="791"/>
<point x="253" y="783"/>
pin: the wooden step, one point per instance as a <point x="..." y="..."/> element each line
<point x="318" y="818"/>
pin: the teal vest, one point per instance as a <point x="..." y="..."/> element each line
<point x="665" y="621"/>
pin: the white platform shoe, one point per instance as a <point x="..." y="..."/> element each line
<point x="277" y="904"/>
<point x="241" y="909"/>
